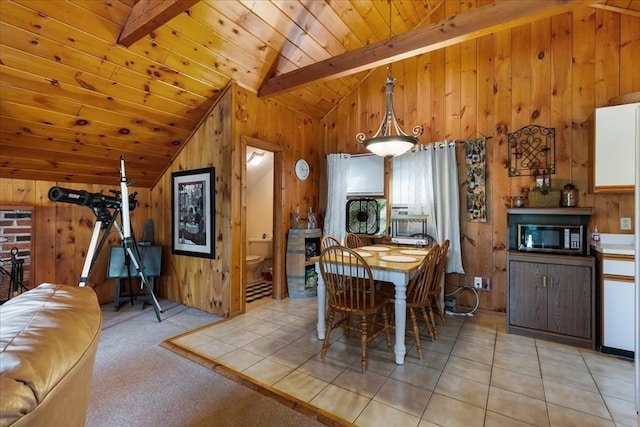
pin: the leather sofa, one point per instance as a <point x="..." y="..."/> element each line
<point x="48" y="342"/>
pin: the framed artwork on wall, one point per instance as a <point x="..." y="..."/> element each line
<point x="192" y="213"/>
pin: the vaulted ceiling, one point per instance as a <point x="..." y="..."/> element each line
<point x="83" y="82"/>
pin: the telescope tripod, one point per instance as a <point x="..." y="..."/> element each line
<point x="106" y="220"/>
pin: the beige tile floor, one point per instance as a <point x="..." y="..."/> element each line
<point x="475" y="374"/>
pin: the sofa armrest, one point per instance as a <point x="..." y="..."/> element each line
<point x="48" y="341"/>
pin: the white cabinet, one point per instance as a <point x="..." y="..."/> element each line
<point x="617" y="303"/>
<point x="613" y="140"/>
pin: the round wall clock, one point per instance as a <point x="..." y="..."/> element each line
<point x="302" y="169"/>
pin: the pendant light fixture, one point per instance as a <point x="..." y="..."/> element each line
<point x="390" y="140"/>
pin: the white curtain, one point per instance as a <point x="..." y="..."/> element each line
<point x="412" y="185"/>
<point x="426" y="181"/>
<point x="447" y="204"/>
<point x="335" y="220"/>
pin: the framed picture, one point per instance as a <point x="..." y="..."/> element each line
<point x="192" y="213"/>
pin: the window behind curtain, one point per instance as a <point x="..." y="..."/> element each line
<point x="400" y="184"/>
<point x="411" y="186"/>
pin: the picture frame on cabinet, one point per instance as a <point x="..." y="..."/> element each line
<point x="192" y="213"/>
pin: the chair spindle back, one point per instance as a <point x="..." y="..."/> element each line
<point x="348" y="280"/>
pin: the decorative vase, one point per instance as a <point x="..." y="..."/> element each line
<point x="517" y="202"/>
<point x="569" y="197"/>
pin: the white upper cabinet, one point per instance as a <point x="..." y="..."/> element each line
<point x="614" y="138"/>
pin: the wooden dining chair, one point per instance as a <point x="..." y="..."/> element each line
<point x="352" y="241"/>
<point x="436" y="287"/>
<point x="418" y="296"/>
<point x="351" y="292"/>
<point x="328" y="241"/>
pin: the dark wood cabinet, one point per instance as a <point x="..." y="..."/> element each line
<point x="552" y="297"/>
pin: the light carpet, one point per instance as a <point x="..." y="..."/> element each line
<point x="138" y="383"/>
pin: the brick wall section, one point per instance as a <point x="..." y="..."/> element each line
<point x="15" y="232"/>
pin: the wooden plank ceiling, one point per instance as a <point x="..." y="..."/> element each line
<point x="83" y="82"/>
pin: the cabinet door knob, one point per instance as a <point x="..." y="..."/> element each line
<point x="544" y="281"/>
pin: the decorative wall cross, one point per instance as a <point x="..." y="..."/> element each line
<point x="532" y="151"/>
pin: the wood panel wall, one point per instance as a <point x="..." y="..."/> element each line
<point x="199" y="282"/>
<point x="62" y="231"/>
<point x="216" y="285"/>
<point x="552" y="73"/>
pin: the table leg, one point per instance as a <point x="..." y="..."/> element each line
<point x="400" y="307"/>
<point x="322" y="298"/>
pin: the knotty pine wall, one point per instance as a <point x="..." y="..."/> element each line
<point x="238" y="119"/>
<point x="552" y="73"/>
<point x="62" y="231"/>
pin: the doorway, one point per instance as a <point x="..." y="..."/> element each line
<point x="261" y="221"/>
<point x="259" y="224"/>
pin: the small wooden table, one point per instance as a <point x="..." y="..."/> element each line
<point x="398" y="271"/>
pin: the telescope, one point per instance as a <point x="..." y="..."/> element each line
<point x="121" y="203"/>
<point x="91" y="200"/>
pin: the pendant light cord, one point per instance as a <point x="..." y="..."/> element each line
<point x="390" y="36"/>
<point x="390" y="140"/>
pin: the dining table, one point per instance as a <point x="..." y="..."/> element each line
<point x="395" y="264"/>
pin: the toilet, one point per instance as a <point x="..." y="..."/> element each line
<point x="258" y="250"/>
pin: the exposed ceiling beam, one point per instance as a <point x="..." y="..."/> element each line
<point x="147" y="15"/>
<point x="501" y="15"/>
<point x="616" y="9"/>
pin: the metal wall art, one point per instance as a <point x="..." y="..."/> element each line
<point x="532" y="151"/>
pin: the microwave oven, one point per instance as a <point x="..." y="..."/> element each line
<point x="568" y="239"/>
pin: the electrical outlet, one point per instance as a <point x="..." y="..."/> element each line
<point x="477" y="282"/>
<point x="481" y="283"/>
<point x="625" y="223"/>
